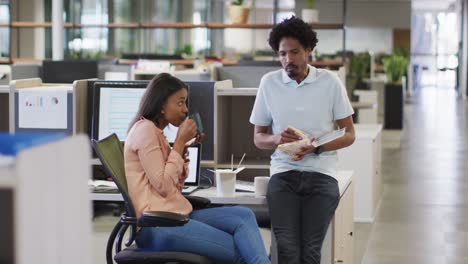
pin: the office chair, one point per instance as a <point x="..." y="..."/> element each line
<point x="110" y="152"/>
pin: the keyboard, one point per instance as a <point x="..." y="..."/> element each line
<point x="245" y="186"/>
<point x="189" y="189"/>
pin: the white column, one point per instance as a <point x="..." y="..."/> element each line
<point x="57" y="30"/>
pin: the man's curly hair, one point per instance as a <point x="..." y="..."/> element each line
<point x="296" y="28"/>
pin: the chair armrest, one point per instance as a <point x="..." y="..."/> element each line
<point x="155" y="218"/>
<point x="198" y="202"/>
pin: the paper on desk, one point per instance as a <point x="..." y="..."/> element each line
<point x="43" y="108"/>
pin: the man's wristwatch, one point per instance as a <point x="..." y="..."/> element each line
<point x="318" y="150"/>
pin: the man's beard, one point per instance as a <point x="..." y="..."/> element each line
<point x="291" y="70"/>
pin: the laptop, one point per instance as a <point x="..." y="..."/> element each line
<point x="193" y="180"/>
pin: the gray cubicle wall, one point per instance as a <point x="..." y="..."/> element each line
<point x="103" y="68"/>
<point x="7" y="245"/>
<point x="244" y="76"/>
<point x="67" y="131"/>
<point x="201" y="100"/>
<point x="25" y="71"/>
<point x="190" y="77"/>
<point x="4" y="109"/>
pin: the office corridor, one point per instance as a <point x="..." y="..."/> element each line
<point x="424" y="208"/>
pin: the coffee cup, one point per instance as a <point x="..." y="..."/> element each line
<point x="261" y="185"/>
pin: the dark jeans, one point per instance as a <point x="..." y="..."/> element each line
<point x="301" y="205"/>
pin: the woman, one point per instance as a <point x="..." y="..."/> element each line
<point x="156" y="174"/>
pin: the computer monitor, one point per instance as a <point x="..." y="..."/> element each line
<point x="68" y="71"/>
<point x="115" y="104"/>
<point x="193" y="178"/>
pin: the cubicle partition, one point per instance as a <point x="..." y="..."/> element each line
<point x="25" y="71"/>
<point x="4" y="108"/>
<point x="47" y="108"/>
<point x="244" y="76"/>
<point x="44" y="199"/>
<point x="36" y="107"/>
<point x="5" y="77"/>
<point x="114" y="72"/>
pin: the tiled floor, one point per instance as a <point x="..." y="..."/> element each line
<point x="423" y="212"/>
<point x="424" y="206"/>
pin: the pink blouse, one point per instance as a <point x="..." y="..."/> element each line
<point x="155" y="173"/>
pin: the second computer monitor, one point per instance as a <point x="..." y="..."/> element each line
<point x="115" y="106"/>
<point x="68" y="71"/>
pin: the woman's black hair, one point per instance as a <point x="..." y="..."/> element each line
<point x="158" y="90"/>
<point x="296" y="28"/>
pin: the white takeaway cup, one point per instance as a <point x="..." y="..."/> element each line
<point x="261" y="185"/>
<point x="225" y="182"/>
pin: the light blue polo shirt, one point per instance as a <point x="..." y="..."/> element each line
<point x="311" y="106"/>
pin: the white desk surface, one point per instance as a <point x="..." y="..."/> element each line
<point x="344" y="180"/>
<point x="363" y="105"/>
<point x="376" y="79"/>
<point x="4" y="88"/>
<point x="367" y="131"/>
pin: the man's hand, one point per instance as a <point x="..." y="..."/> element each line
<point x="286" y="136"/>
<point x="304" y="151"/>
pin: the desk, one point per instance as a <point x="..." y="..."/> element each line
<point x="363" y="105"/>
<point x="338" y="244"/>
<point x="364" y="157"/>
<point x="210" y="193"/>
<point x="4" y="89"/>
<point x="344" y="180"/>
<point x="367" y="115"/>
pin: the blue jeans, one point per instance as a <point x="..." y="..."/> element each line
<point x="223" y="234"/>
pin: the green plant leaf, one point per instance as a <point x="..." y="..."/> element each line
<point x="237" y="2"/>
<point x="395" y="67"/>
<point x="359" y="65"/>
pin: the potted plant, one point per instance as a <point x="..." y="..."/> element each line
<point x="394" y="67"/>
<point x="238" y="12"/>
<point x="309" y="14"/>
<point x="186" y="51"/>
<point x="359" y="65"/>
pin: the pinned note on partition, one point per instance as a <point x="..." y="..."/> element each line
<point x="43" y="107"/>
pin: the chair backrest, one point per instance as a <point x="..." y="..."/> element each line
<point x="110" y="152"/>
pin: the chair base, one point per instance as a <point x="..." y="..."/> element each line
<point x="134" y="255"/>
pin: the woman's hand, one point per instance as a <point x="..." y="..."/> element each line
<point x="185" y="155"/>
<point x="187" y="130"/>
<point x="195" y="140"/>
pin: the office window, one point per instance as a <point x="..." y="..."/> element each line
<point x="4" y="31"/>
<point x="93" y="40"/>
<point x="434" y="45"/>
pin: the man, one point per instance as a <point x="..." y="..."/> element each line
<point x="303" y="191"/>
